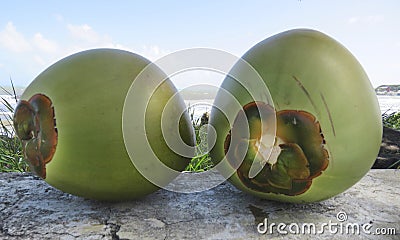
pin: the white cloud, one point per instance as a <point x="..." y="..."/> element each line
<point x="86" y="33"/>
<point x="83" y="37"/>
<point x="375" y="19"/>
<point x="371" y="19"/>
<point x="59" y="17"/>
<point x="87" y="37"/>
<point x="39" y="60"/>
<point x="153" y="52"/>
<point x="354" y="19"/>
<point x="44" y="44"/>
<point x="40" y="51"/>
<point x="13" y="40"/>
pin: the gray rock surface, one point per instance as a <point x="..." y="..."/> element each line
<point x="31" y="209"/>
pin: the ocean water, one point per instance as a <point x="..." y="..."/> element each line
<point x="387" y="105"/>
<point x="6" y="114"/>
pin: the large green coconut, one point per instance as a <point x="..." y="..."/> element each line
<point x="70" y="121"/>
<point x="325" y="114"/>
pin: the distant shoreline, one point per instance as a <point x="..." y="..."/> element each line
<point x="388" y="90"/>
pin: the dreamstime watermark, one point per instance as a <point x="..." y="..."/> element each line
<point x="340" y="226"/>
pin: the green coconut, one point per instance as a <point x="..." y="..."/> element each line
<point x="326" y="119"/>
<point x="70" y="122"/>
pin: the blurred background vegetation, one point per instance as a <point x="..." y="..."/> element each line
<point x="11" y="155"/>
<point x="391" y="120"/>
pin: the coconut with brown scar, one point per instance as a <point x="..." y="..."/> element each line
<point x="34" y="123"/>
<point x="297" y="157"/>
<point x="328" y="126"/>
<point x="70" y="122"/>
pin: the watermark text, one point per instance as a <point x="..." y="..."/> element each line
<point x="339" y="226"/>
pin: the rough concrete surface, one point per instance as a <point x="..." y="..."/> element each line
<point x="31" y="209"/>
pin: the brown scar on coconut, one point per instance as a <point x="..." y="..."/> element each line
<point x="34" y="123"/>
<point x="297" y="156"/>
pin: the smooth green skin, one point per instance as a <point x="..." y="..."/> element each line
<point x="88" y="90"/>
<point x="325" y="68"/>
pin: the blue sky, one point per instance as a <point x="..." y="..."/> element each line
<point x="35" y="34"/>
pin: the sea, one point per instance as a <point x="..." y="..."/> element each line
<point x="387" y="104"/>
<point x="5" y="113"/>
<point x="197" y="108"/>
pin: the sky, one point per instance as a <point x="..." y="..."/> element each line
<point x="35" y="34"/>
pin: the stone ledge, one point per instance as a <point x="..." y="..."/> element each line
<point x="31" y="209"/>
